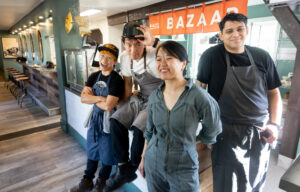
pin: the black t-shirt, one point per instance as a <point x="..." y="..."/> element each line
<point x="212" y="67"/>
<point x="115" y="87"/>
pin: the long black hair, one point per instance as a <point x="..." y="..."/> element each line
<point x="176" y="50"/>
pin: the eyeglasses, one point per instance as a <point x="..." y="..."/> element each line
<point x="109" y="58"/>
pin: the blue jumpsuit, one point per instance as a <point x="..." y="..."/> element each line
<point x="99" y="144"/>
<point x="171" y="159"/>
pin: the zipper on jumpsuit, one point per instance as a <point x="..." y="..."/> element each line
<point x="168" y="142"/>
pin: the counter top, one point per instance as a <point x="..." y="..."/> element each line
<point x="290" y="181"/>
<point x="39" y="68"/>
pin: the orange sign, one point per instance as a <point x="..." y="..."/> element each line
<point x="195" y="20"/>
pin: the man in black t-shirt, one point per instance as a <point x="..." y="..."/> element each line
<point x="245" y="83"/>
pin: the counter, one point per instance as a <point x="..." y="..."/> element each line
<point x="43" y="80"/>
<point x="290" y="181"/>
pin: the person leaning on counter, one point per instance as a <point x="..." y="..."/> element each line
<point x="103" y="89"/>
<point x="174" y="112"/>
<point x="245" y="83"/>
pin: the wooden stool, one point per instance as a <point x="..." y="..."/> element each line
<point x="22" y="82"/>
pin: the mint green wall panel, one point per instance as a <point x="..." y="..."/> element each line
<point x="257" y="11"/>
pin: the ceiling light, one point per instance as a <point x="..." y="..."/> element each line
<point x="30" y="22"/>
<point x="41" y="17"/>
<point x="20" y="29"/>
<point x="50" y="10"/>
<point x="90" y="12"/>
<point x="24" y="26"/>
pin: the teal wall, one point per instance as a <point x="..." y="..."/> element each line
<point x="62" y="40"/>
<point x="258" y="11"/>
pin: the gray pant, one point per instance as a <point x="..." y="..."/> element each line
<point x="132" y="113"/>
<point x="179" y="172"/>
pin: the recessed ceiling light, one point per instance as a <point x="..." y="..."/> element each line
<point x="20" y="29"/>
<point x="90" y="12"/>
<point x="30" y="22"/>
<point x="24" y="26"/>
<point x="41" y="17"/>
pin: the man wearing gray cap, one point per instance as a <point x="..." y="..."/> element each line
<point x="138" y="63"/>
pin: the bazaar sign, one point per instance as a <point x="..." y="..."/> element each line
<point x="202" y="19"/>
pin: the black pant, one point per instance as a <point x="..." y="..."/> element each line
<point x="120" y="141"/>
<point x="91" y="169"/>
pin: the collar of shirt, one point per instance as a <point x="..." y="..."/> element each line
<point x="188" y="84"/>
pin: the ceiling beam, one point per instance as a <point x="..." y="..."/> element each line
<point x="141" y="13"/>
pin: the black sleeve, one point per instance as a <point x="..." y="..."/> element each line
<point x="273" y="80"/>
<point x="92" y="79"/>
<point x="116" y="86"/>
<point x="204" y="68"/>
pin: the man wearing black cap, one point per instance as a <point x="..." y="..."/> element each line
<point x="138" y="63"/>
<point x="103" y="89"/>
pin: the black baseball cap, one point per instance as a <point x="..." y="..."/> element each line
<point x="109" y="49"/>
<point x="130" y="30"/>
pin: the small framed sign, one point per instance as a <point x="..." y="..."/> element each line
<point x="10" y="47"/>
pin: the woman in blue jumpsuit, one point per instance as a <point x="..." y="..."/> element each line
<point x="103" y="89"/>
<point x="170" y="159"/>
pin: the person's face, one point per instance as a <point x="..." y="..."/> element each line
<point x="234" y="35"/>
<point x="169" y="67"/>
<point x="106" y="62"/>
<point x="134" y="48"/>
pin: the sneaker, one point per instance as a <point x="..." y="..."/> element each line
<point x="99" y="186"/>
<point x="85" y="185"/>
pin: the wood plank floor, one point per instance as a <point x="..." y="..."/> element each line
<point x="35" y="156"/>
<point x="46" y="161"/>
<point x="15" y="119"/>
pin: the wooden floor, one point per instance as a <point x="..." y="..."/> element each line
<point x="35" y="154"/>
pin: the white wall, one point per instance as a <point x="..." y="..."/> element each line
<point x="77" y="112"/>
<point x="111" y="34"/>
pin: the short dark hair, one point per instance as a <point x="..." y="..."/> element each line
<point x="176" y="50"/>
<point x="232" y="17"/>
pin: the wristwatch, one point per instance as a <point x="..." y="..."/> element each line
<point x="275" y="124"/>
<point x="155" y="42"/>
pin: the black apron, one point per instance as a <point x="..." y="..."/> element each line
<point x="240" y="157"/>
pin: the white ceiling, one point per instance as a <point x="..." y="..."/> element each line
<point x="11" y="11"/>
<point x="112" y="7"/>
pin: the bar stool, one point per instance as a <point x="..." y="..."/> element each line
<point x="14" y="88"/>
<point x="22" y="82"/>
<point x="9" y="70"/>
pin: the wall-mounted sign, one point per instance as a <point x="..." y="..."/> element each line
<point x="83" y="24"/>
<point x="202" y="19"/>
<point x="68" y="22"/>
